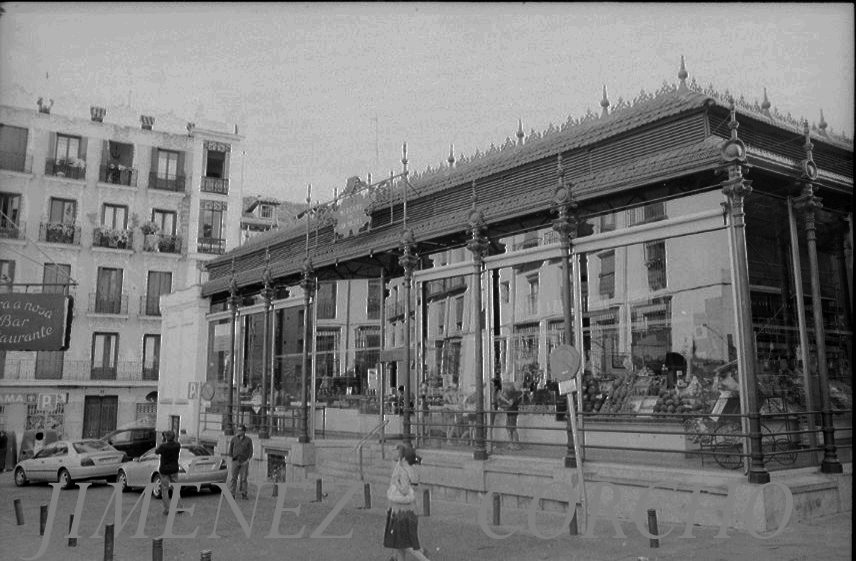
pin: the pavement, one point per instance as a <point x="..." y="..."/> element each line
<point x="338" y="527"/>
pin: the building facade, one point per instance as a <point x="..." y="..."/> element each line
<point x="115" y="216"/>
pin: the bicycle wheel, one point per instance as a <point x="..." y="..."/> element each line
<point x="790" y="455"/>
<point x="727" y="445"/>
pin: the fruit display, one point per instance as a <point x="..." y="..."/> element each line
<point x="594" y="393"/>
<point x="620" y="391"/>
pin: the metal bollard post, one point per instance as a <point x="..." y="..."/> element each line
<point x="275" y="491"/>
<point x="573" y="526"/>
<point x="206" y="555"/>
<point x="318" y="490"/>
<point x="157" y="549"/>
<point x="108" y="542"/>
<point x="497" y="505"/>
<point x="72" y="542"/>
<point x="426" y="502"/>
<point x="43" y="519"/>
<point x="652" y="528"/>
<point x="19" y="512"/>
<point x="367" y="495"/>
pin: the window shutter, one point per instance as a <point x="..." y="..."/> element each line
<point x="105" y="153"/>
<point x="82" y="152"/>
<point x="154" y="164"/>
<point x="52" y="145"/>
<point x="180" y="169"/>
<point x="226" y="159"/>
<point x="204" y="161"/>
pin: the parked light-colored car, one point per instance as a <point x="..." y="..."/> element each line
<point x="67" y="461"/>
<point x="195" y="465"/>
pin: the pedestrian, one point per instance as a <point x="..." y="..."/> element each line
<point x="241" y="450"/>
<point x="510" y="400"/>
<point x="4" y="442"/>
<point x="169" y="451"/>
<point x="401" y="532"/>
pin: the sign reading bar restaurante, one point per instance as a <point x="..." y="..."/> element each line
<point x="34" y="322"/>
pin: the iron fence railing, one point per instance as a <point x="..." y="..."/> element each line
<point x="116" y="175"/>
<point x="167" y="182"/>
<point x="116" y="238"/>
<point x="13" y="230"/>
<point x="72" y="169"/>
<point x="211" y="245"/>
<point x="215" y="185"/>
<point x="162" y="243"/>
<point x="58" y="232"/>
<point x="76" y="370"/>
<point x="108" y="303"/>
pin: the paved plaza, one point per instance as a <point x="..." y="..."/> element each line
<point x="451" y="532"/>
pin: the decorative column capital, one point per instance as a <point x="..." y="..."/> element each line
<point x="407" y="260"/>
<point x="565" y="206"/>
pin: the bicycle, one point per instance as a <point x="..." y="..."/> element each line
<point x="725" y="438"/>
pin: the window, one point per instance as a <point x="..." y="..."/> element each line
<point x="441" y="317"/>
<point x="56" y="278"/>
<point x="13" y="148"/>
<point x="607" y="222"/>
<point x="266" y="211"/>
<point x="167" y="171"/>
<point x="166" y="221"/>
<point x="211" y="227"/>
<point x="505" y="291"/>
<point x="62" y="211"/>
<point x="532" y="295"/>
<point x="655" y="262"/>
<point x="7" y="271"/>
<point x="606" y="282"/>
<point x="327" y="300"/>
<point x="327" y="352"/>
<point x="114" y="216"/>
<point x="151" y="356"/>
<point x="117" y="161"/>
<point x="67" y="147"/>
<point x="375" y="288"/>
<point x="167" y="164"/>
<point x="216" y="164"/>
<point x="159" y="283"/>
<point x="451" y="360"/>
<point x="105" y="353"/>
<point x="49" y="365"/>
<point x="459" y="313"/>
<point x="648" y="213"/>
<point x="108" y="292"/>
<point x="9" y="211"/>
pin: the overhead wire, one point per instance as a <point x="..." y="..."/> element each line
<point x="34" y="242"/>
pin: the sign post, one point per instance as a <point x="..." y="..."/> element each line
<point x="565" y="362"/>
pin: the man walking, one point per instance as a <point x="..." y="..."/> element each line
<point x="168" y="451"/>
<point x="241" y="450"/>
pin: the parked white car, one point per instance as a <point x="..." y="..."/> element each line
<point x="68" y="461"/>
<point x="195" y="465"/>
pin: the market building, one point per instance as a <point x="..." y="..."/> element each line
<point x="696" y="249"/>
<point x="113" y="213"/>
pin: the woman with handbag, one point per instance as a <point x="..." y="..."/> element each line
<point x="402" y="526"/>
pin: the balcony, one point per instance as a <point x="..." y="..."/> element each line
<point x="162" y="243"/>
<point x="150" y="306"/>
<point x="118" y="175"/>
<point x="57" y="232"/>
<point x="12" y="230"/>
<point x="102" y="304"/>
<point x="215" y="185"/>
<point x="167" y="182"/>
<point x="115" y="238"/>
<point x="73" y="168"/>
<point x="29" y="370"/>
<point x="16" y="161"/>
<point x="211" y="245"/>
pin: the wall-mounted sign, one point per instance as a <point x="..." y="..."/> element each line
<point x="17" y="397"/>
<point x="34" y="322"/>
<point x="351" y="215"/>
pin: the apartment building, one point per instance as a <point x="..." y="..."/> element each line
<point x="114" y="214"/>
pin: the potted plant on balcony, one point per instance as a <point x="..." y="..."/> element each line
<point x="59" y="232"/>
<point x="111" y="237"/>
<point x="152" y="238"/>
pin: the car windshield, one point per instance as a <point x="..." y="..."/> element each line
<point x="85" y="446"/>
<point x="196" y="450"/>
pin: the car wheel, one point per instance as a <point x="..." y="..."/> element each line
<point x="111" y="479"/>
<point x="20" y="477"/>
<point x="156" y="492"/>
<point x="214" y="488"/>
<point x="122" y="478"/>
<point x="65" y="479"/>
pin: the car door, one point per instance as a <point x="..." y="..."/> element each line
<point x="59" y="459"/>
<point x="39" y="464"/>
<point x="139" y="472"/>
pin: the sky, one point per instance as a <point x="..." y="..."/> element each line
<point x="323" y="92"/>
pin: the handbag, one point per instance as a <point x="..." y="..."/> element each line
<point x="393" y="495"/>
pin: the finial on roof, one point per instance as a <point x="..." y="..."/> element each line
<point x="96" y="114"/>
<point x="404" y="154"/>
<point x="604" y="103"/>
<point x="682" y="76"/>
<point x="520" y="134"/>
<point x="733" y="150"/>
<point x="808" y="165"/>
<point x="822" y="124"/>
<point x="451" y="158"/>
<point x="44" y="107"/>
<point x="765" y="105"/>
<point x="147" y="122"/>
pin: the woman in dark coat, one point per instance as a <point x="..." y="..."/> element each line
<point x="402" y="525"/>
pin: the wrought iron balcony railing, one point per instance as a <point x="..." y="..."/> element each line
<point x="167" y="182"/>
<point x="215" y="185"/>
<point x="58" y="232"/>
<point x="73" y="168"/>
<point x="12" y="230"/>
<point x="211" y="245"/>
<point x="16" y="161"/>
<point x="162" y="243"/>
<point x="115" y="238"/>
<point x="116" y="175"/>
<point x="75" y="370"/>
<point x="108" y="304"/>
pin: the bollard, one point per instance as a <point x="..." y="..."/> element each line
<point x="72" y="542"/>
<point x="206" y="555"/>
<point x="275" y="491"/>
<point x="157" y="549"/>
<point x="497" y="504"/>
<point x="652" y="528"/>
<point x="426" y="503"/>
<point x="318" y="490"/>
<point x="573" y="526"/>
<point x="108" y="542"/>
<point x="19" y="512"/>
<point x="367" y="495"/>
<point x="43" y="519"/>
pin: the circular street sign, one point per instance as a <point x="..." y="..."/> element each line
<point x="564" y="362"/>
<point x="207" y="391"/>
